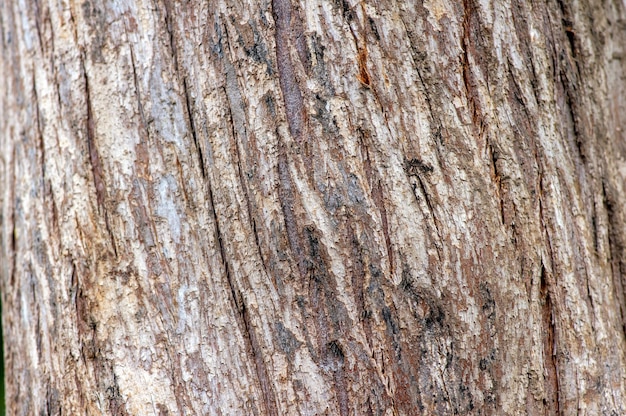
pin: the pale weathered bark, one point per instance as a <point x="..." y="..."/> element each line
<point x="313" y="207"/>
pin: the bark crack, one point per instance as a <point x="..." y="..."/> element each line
<point x="615" y="250"/>
<point x="497" y="179"/>
<point x="94" y="157"/>
<point x="138" y="90"/>
<point x="467" y="75"/>
<point x="42" y="148"/>
<point x="13" y="220"/>
<point x="546" y="288"/>
<point x="192" y="127"/>
<point x="233" y="98"/>
<point x="170" y="32"/>
<point x="552" y="401"/>
<point x="379" y="200"/>
<point x="243" y="316"/>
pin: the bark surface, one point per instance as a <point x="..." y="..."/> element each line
<point x="313" y="207"/>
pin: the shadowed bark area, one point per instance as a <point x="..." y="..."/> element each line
<point x="313" y="207"/>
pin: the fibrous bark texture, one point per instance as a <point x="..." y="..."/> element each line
<point x="342" y="207"/>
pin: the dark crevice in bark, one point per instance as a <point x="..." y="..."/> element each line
<point x="422" y="64"/>
<point x="378" y="198"/>
<point x="498" y="180"/>
<point x="568" y="27"/>
<point x="257" y="243"/>
<point x="192" y="127"/>
<point x="565" y="75"/>
<point x="552" y="401"/>
<point x="335" y="352"/>
<point x="594" y="228"/>
<point x="37" y="13"/>
<point x="357" y="270"/>
<point x="107" y="381"/>
<point x="466" y="43"/>
<point x="435" y="120"/>
<point x="38" y="333"/>
<point x="572" y="107"/>
<point x="547" y="286"/>
<point x="243" y="317"/>
<point x="269" y="399"/>
<point x="590" y="299"/>
<point x="181" y="174"/>
<point x="170" y="31"/>
<point x="524" y="42"/>
<point x="53" y="403"/>
<point x="94" y="157"/>
<point x="330" y="320"/>
<point x="72" y="22"/>
<point x="42" y="149"/>
<point x="188" y="99"/>
<point x="244" y="186"/>
<point x="13" y="257"/>
<point x="75" y="291"/>
<point x="176" y="377"/>
<point x="296" y="119"/>
<point x="81" y="307"/>
<point x="95" y="162"/>
<point x="234" y="100"/>
<point x="363" y="75"/>
<point x="416" y="168"/>
<point x="422" y="189"/>
<point x="616" y="250"/>
<point x="518" y="103"/>
<point x="144" y="125"/>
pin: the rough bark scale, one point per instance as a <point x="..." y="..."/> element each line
<point x="313" y="207"/>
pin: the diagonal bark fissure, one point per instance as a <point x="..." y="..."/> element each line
<point x="243" y="318"/>
<point x="552" y="401"/>
<point x="94" y="158"/>
<point x="192" y="127"/>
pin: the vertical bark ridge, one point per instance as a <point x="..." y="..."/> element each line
<point x="284" y="18"/>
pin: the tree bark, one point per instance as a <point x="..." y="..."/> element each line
<point x="313" y="207"/>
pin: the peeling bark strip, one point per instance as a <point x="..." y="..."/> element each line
<point x="313" y="208"/>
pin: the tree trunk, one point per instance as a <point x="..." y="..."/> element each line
<point x="313" y="207"/>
